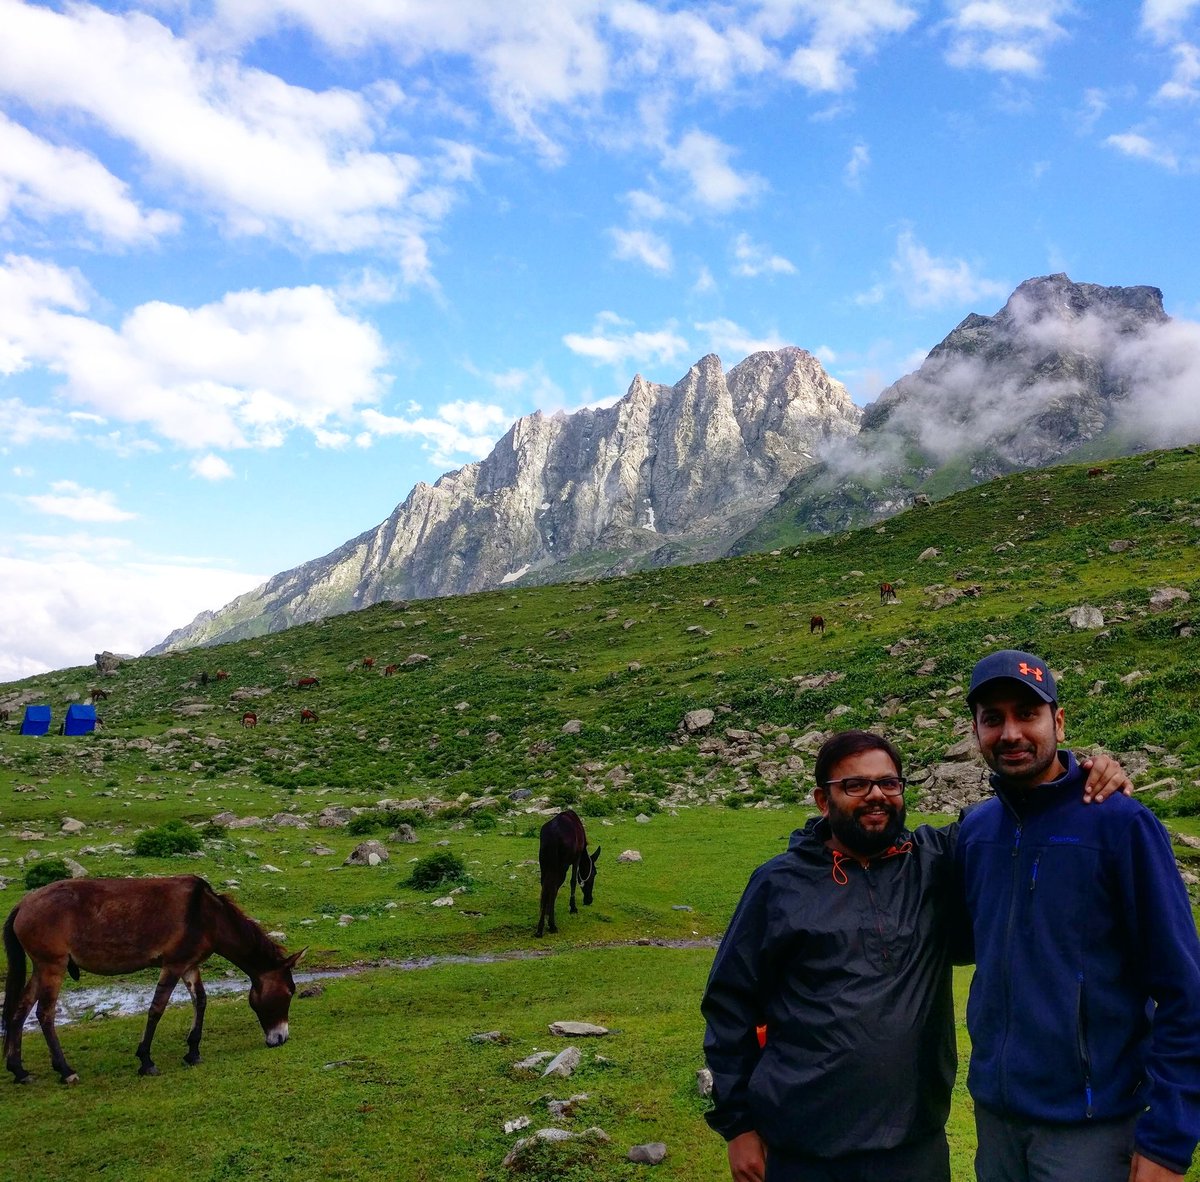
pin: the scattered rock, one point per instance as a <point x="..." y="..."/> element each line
<point x="697" y="720"/>
<point x="1085" y="618"/>
<point x="629" y="856"/>
<point x="564" y="1063"/>
<point x="928" y="553"/>
<point x="572" y="726"/>
<point x="571" y="1029"/>
<point x="652" y="1154"/>
<point x="962" y="751"/>
<point x="565" y="1109"/>
<point x="1120" y="545"/>
<point x="367" y="853"/>
<point x="533" y="1062"/>
<point x="444" y="901"/>
<point x="312" y="989"/>
<point x="70" y="825"/>
<point x="490" y="1036"/>
<point x="642" y="819"/>
<point x="520" y="1122"/>
<point x="415" y="659"/>
<point x="1161" y="598"/>
<point x="406" y="833"/>
<point x="704" y="1082"/>
<point x="77" y="871"/>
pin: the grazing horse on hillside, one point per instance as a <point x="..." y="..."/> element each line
<point x="1095" y="471"/>
<point x="204" y="678"/>
<point x="98" y="695"/>
<point x="307" y="683"/>
<point x="249" y="718"/>
<point x="307" y="715"/>
<point x="886" y="592"/>
<point x="816" y="624"/>
<point x="564" y="846"/>
<point x="388" y="670"/>
<point x="120" y="925"/>
<point x="368" y="662"/>
<point x="221" y="675"/>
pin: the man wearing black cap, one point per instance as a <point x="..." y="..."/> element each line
<point x="1084" y="1012"/>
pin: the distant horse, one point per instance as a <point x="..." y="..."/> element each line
<point x="816" y="624"/>
<point x="886" y="592"/>
<point x="5" y="714"/>
<point x="307" y="683"/>
<point x="249" y="718"/>
<point x="1095" y="471"/>
<point x="368" y="662"/>
<point x="120" y="925"/>
<point x="307" y="715"/>
<point x="221" y="675"/>
<point x="388" y="670"/>
<point x="204" y="678"/>
<point x="564" y="847"/>
<point x="98" y="695"/>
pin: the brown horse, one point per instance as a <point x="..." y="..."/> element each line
<point x="98" y="695"/>
<point x="120" y="925"/>
<point x="307" y="715"/>
<point x="221" y="675"/>
<point x="249" y="718"/>
<point x="307" y="683"/>
<point x="563" y="846"/>
<point x="886" y="592"/>
<point x="388" y="670"/>
<point x="816" y="624"/>
<point x="368" y="663"/>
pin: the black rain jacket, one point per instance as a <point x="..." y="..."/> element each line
<point x="849" y="969"/>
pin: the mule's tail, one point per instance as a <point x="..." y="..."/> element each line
<point x="14" y="983"/>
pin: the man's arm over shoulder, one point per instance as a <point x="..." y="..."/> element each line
<point x="1163" y="930"/>
<point x="734" y="1007"/>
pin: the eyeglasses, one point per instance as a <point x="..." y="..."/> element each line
<point x="861" y="785"/>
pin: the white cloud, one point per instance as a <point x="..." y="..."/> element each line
<point x="21" y="424"/>
<point x="462" y="430"/>
<point x="265" y="155"/>
<point x="647" y="206"/>
<point x="1133" y="143"/>
<point x="1005" y="36"/>
<point x="837" y="32"/>
<point x="752" y="260"/>
<point x="1163" y="19"/>
<point x="859" y="162"/>
<point x="1181" y="86"/>
<point x="732" y="340"/>
<point x="240" y="372"/>
<point x="926" y="281"/>
<point x="704" y="160"/>
<point x="614" y="341"/>
<point x="211" y="467"/>
<point x="705" y="282"/>
<point x="73" y="501"/>
<point x="642" y="246"/>
<point x="76" y="597"/>
<point x="41" y="180"/>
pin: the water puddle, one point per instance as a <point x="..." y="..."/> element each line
<point x="122" y="999"/>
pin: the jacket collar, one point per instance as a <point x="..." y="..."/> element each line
<point x="1044" y="796"/>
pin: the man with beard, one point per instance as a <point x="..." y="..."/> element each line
<point x="1085" y="1008"/>
<point x="829" y="1012"/>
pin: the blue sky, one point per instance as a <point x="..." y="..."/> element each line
<point x="264" y="264"/>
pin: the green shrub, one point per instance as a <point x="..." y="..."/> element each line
<point x="595" y="805"/>
<point x="366" y="823"/>
<point x="47" y="870"/>
<point x="439" y="869"/>
<point x="484" y="821"/>
<point x="173" y="837"/>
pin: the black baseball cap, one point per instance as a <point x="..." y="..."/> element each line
<point x="1012" y="665"/>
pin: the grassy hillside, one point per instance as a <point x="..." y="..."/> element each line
<point x="468" y="745"/>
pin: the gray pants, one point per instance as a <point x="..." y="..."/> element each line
<point x="1012" y="1149"/>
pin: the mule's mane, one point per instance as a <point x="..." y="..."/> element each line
<point x="257" y="944"/>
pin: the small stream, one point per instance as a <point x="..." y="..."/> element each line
<point x="123" y="999"/>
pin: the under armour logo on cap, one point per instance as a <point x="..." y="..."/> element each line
<point x="1011" y="665"/>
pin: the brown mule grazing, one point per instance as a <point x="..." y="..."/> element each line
<point x="120" y="925"/>
<point x="307" y="683"/>
<point x="564" y="846"/>
<point x="249" y="718"/>
<point x="307" y="715"/>
<point x="816" y="624"/>
<point x="886" y="592"/>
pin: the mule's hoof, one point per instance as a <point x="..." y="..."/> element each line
<point x="147" y="1069"/>
<point x="537" y="935"/>
<point x="23" y="1079"/>
<point x="191" y="1060"/>
<point x="73" y="1078"/>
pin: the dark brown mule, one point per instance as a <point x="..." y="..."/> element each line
<point x="816" y="624"/>
<point x="249" y="718"/>
<point x="307" y="683"/>
<point x="120" y="925"/>
<point x="564" y="847"/>
<point x="886" y="592"/>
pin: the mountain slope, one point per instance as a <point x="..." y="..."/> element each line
<point x="682" y="469"/>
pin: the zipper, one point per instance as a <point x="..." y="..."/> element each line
<point x="883" y="944"/>
<point x="1033" y="878"/>
<point x="1085" y="1060"/>
<point x="1008" y="960"/>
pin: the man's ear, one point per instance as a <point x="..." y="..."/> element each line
<point x="1059" y="733"/>
<point x="821" y="799"/>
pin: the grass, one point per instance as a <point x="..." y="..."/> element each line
<point x="469" y="747"/>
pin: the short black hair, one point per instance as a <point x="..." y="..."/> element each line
<point x="846" y="743"/>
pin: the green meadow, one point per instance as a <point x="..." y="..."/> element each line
<point x="466" y="743"/>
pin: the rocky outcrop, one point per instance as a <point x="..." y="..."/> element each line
<point x="668" y="474"/>
<point x="1060" y="366"/>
